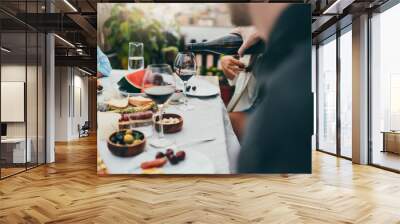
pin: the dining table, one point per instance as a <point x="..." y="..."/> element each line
<point x="207" y="136"/>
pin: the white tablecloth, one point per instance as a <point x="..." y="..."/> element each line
<point x="208" y="118"/>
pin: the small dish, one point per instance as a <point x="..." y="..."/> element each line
<point x="122" y="149"/>
<point x="170" y="128"/>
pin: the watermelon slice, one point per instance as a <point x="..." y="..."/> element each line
<point x="132" y="82"/>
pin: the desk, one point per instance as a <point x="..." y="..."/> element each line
<point x="391" y="141"/>
<point x="13" y="150"/>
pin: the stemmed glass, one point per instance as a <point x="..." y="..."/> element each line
<point x="159" y="85"/>
<point x="185" y="68"/>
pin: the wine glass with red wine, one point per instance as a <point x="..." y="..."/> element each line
<point x="185" y="68"/>
<point x="159" y="84"/>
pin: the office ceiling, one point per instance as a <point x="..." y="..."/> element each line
<point x="76" y="21"/>
<point x="22" y="48"/>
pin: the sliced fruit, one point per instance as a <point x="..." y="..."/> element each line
<point x="132" y="83"/>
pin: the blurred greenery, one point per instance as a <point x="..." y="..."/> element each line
<point x="161" y="42"/>
<point x="214" y="71"/>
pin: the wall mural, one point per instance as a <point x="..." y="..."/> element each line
<point x="204" y="89"/>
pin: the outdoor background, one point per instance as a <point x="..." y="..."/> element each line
<point x="164" y="29"/>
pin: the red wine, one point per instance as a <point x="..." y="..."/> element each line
<point x="160" y="94"/>
<point x="185" y="75"/>
<point x="228" y="45"/>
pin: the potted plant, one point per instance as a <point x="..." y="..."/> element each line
<point x="132" y="24"/>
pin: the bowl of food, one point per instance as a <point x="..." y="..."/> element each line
<point x="172" y="123"/>
<point x="126" y="143"/>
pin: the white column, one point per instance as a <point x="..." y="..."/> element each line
<point x="360" y="90"/>
<point x="50" y="92"/>
<point x="50" y="100"/>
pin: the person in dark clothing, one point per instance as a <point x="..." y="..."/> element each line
<point x="278" y="135"/>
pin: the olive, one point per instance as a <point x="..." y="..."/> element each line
<point x="113" y="139"/>
<point x="194" y="88"/>
<point x="188" y="88"/>
<point x="128" y="139"/>
<point x="160" y="155"/>
<point x="137" y="135"/>
<point x="119" y="137"/>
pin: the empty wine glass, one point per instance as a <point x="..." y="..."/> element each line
<point x="159" y="84"/>
<point x="185" y="68"/>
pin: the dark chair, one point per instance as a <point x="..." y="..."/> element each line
<point x="84" y="130"/>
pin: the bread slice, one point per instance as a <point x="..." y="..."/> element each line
<point x="138" y="101"/>
<point x="118" y="103"/>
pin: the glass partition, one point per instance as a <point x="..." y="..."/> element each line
<point x="13" y="103"/>
<point x="385" y="89"/>
<point x="327" y="95"/>
<point x="31" y="98"/>
<point x="346" y="93"/>
<point x="22" y="88"/>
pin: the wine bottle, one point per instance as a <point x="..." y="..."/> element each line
<point x="228" y="45"/>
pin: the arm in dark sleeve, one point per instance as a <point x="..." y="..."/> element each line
<point x="278" y="136"/>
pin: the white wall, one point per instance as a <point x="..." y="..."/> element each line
<point x="33" y="127"/>
<point x="16" y="73"/>
<point x="71" y="102"/>
<point x="61" y="115"/>
<point x="80" y="109"/>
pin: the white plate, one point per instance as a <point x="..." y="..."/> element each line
<point x="194" y="163"/>
<point x="203" y="88"/>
